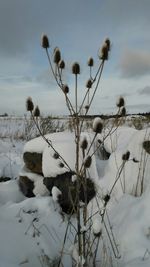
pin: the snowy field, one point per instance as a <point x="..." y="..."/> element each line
<point x="32" y="229"/>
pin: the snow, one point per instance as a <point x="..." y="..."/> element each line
<point x="97" y="226"/>
<point x="33" y="229"/>
<point x="39" y="188"/>
<point x="55" y="193"/>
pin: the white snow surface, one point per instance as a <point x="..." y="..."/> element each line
<point x="32" y="228"/>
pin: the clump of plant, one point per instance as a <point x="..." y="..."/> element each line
<point x="86" y="239"/>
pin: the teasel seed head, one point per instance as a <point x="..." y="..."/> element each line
<point x="90" y="62"/>
<point x="61" y="164"/>
<point x="87" y="162"/>
<point x="89" y="83"/>
<point x="86" y="107"/>
<point x="104" y="52"/>
<point x="107" y="41"/>
<point x="126" y="156"/>
<point x="84" y="143"/>
<point x="36" y="112"/>
<point x="97" y="125"/>
<point x="29" y="104"/>
<point x="57" y="55"/>
<point x="65" y="89"/>
<point x="45" y="41"/>
<point x="61" y="64"/>
<point x="76" y="68"/>
<point x="106" y="199"/>
<point x="120" y="103"/>
<point x="56" y="155"/>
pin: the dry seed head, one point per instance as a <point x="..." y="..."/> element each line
<point x="29" y="104"/>
<point x="106" y="199"/>
<point x="55" y="155"/>
<point x="87" y="162"/>
<point x="45" y="41"/>
<point x="107" y="41"/>
<point x="57" y="55"/>
<point x="36" y="112"/>
<point x="65" y="89"/>
<point x="126" y="156"/>
<point x="84" y="143"/>
<point x="120" y="102"/>
<point x="76" y="68"/>
<point x="89" y="84"/>
<point x="61" y="164"/>
<point x="90" y="62"/>
<point x="61" y="64"/>
<point x="104" y="52"/>
<point x="97" y="125"/>
<point x="86" y="107"/>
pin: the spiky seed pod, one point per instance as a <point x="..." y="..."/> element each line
<point x="89" y="84"/>
<point x="107" y="41"/>
<point x="123" y="111"/>
<point x="65" y="89"/>
<point x="104" y="52"/>
<point x="87" y="162"/>
<point x="45" y="41"/>
<point x="126" y="156"/>
<point x="84" y="143"/>
<point x="97" y="125"/>
<point x="29" y="104"/>
<point x="120" y="103"/>
<point x="55" y="155"/>
<point x="76" y="68"/>
<point x="87" y="107"/>
<point x="90" y="62"/>
<point x="106" y="199"/>
<point x="61" y="64"/>
<point x="57" y="55"/>
<point x="61" y="164"/>
<point x="36" y="112"/>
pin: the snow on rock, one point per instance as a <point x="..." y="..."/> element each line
<point x="64" y="144"/>
<point x="55" y="193"/>
<point x="35" y="145"/>
<point x="39" y="188"/>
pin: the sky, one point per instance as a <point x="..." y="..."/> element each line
<point x="78" y="28"/>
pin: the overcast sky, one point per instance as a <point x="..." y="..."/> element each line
<point x="78" y="28"/>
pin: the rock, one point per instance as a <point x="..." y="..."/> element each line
<point x="4" y="179"/>
<point x="33" y="161"/>
<point x="26" y="186"/>
<point x="69" y="196"/>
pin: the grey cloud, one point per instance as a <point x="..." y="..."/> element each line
<point x="135" y="63"/>
<point x="145" y="90"/>
<point x="22" y="22"/>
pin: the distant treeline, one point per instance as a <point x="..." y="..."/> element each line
<point x="104" y="117"/>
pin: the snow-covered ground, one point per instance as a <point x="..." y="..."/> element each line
<point x="32" y="230"/>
